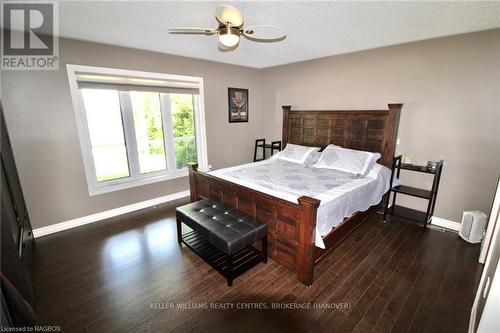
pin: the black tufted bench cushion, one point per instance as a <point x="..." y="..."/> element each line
<point x="228" y="229"/>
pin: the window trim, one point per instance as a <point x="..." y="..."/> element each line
<point x="95" y="187"/>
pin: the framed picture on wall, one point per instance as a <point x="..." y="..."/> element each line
<point x="238" y="105"/>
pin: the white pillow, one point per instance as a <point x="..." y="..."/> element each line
<point x="313" y="158"/>
<point x="296" y="153"/>
<point x="348" y="160"/>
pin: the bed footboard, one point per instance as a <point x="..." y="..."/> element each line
<point x="306" y="234"/>
<point x="291" y="227"/>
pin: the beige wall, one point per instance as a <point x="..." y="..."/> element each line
<point x="451" y="91"/>
<point x="40" y="118"/>
<point x="450" y="88"/>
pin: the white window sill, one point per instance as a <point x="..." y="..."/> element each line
<point x="121" y="184"/>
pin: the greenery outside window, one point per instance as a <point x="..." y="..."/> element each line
<point x="136" y="128"/>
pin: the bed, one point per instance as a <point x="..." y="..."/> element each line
<point x="307" y="222"/>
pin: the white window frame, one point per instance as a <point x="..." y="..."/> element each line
<point x="135" y="178"/>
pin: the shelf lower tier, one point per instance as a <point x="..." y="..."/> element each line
<point x="243" y="260"/>
<point x="408" y="213"/>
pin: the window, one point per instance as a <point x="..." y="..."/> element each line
<point x="136" y="128"/>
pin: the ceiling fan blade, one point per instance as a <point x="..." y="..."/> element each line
<point x="264" y="33"/>
<point x="229" y="16"/>
<point x="205" y="31"/>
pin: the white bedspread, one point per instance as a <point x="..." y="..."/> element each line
<point x="341" y="194"/>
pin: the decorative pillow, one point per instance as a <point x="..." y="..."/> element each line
<point x="296" y="153"/>
<point x="348" y="160"/>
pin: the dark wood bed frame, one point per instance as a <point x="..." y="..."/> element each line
<point x="292" y="226"/>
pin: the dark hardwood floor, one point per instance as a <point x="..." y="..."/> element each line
<point x="129" y="274"/>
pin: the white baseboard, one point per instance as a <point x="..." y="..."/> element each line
<point x="444" y="223"/>
<point x="39" y="232"/>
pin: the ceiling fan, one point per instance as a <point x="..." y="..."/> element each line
<point x="231" y="28"/>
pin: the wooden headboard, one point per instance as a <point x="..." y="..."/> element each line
<point x="369" y="130"/>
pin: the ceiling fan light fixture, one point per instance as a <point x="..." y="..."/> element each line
<point x="229" y="36"/>
<point x="231" y="28"/>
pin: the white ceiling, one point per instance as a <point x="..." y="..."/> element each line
<point x="315" y="28"/>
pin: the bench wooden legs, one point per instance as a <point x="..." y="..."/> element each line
<point x="179" y="231"/>
<point x="229" y="265"/>
<point x="264" y="249"/>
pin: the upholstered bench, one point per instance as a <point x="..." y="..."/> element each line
<point x="222" y="236"/>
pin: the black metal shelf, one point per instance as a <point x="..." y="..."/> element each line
<point x="430" y="195"/>
<point x="261" y="143"/>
